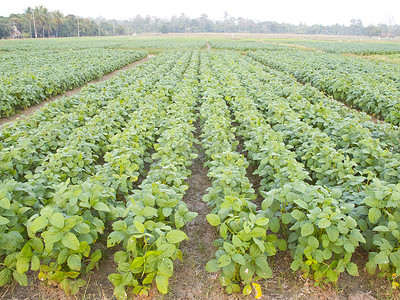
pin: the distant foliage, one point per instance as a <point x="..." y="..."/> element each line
<point x="39" y="22"/>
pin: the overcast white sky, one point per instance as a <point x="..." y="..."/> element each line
<point x="290" y="11"/>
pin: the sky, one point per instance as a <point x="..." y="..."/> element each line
<point x="289" y="11"/>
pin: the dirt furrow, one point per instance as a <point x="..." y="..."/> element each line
<point x="190" y="279"/>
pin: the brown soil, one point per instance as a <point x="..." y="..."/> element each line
<point x="190" y="279"/>
<point x="31" y="109"/>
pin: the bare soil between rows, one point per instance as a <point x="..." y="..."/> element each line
<point x="34" y="107"/>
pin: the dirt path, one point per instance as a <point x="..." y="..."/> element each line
<point x="31" y="109"/>
<point x="190" y="279"/>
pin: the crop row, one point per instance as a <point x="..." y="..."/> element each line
<point x="150" y="230"/>
<point x="27" y="144"/>
<point x="28" y="78"/>
<point x="244" y="244"/>
<point x="362" y="48"/>
<point x="51" y="223"/>
<point x="305" y="213"/>
<point x="114" y="42"/>
<point x="244" y="45"/>
<point x="365" y="210"/>
<point x="373" y="152"/>
<point x="356" y="89"/>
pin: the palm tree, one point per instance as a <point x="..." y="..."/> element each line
<point x="58" y="19"/>
<point x="32" y="11"/>
<point x="28" y="13"/>
<point x="42" y="17"/>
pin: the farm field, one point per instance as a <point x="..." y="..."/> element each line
<point x="222" y="169"/>
<point x="28" y="78"/>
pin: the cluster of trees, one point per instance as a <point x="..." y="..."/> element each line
<point x="39" y="22"/>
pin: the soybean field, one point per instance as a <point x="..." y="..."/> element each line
<point x="217" y="169"/>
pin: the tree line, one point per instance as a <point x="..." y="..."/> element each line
<point x="39" y="22"/>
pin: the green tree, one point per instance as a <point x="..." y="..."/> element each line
<point x="4" y="27"/>
<point x="58" y="19"/>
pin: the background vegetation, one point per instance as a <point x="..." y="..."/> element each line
<point x="39" y="22"/>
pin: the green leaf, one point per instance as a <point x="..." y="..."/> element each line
<point x="70" y="241"/>
<point x="22" y="264"/>
<point x="22" y="279"/>
<point x="119" y="292"/>
<point x="213" y="219"/>
<point x="333" y="233"/>
<point x="166" y="267"/>
<point x="268" y="200"/>
<point x="5" y="203"/>
<point x="239" y="259"/>
<point x="274" y="224"/>
<point x="82" y="228"/>
<point x="395" y="259"/>
<point x="223" y="230"/>
<point x="4" y="221"/>
<point x="331" y="275"/>
<point x="140" y="227"/>
<point x="149" y="211"/>
<point x="101" y="207"/>
<point x="313" y="242"/>
<point x="167" y="211"/>
<point x="115" y="278"/>
<point x="324" y="223"/>
<point x="262" y="221"/>
<point x="298" y="215"/>
<point x="327" y="254"/>
<point x="96" y="255"/>
<point x="374" y="214"/>
<point x="39" y="223"/>
<point x="229" y="248"/>
<point x="74" y="262"/>
<point x="301" y="203"/>
<point x="35" y="263"/>
<point x="246" y="272"/>
<point x="137" y="262"/>
<point x="57" y="220"/>
<point x="162" y="284"/>
<point x="282" y="244"/>
<point x="175" y="236"/>
<point x="212" y="266"/>
<point x="262" y="262"/>
<point x="286" y="218"/>
<point x="167" y="250"/>
<point x="149" y="278"/>
<point x="5" y="276"/>
<point x="355" y="233"/>
<point x="352" y="269"/>
<point x="295" y="265"/>
<point x="224" y="260"/>
<point x="307" y="229"/>
<point x="62" y="256"/>
<point x="236" y="241"/>
<point x="381" y="228"/>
